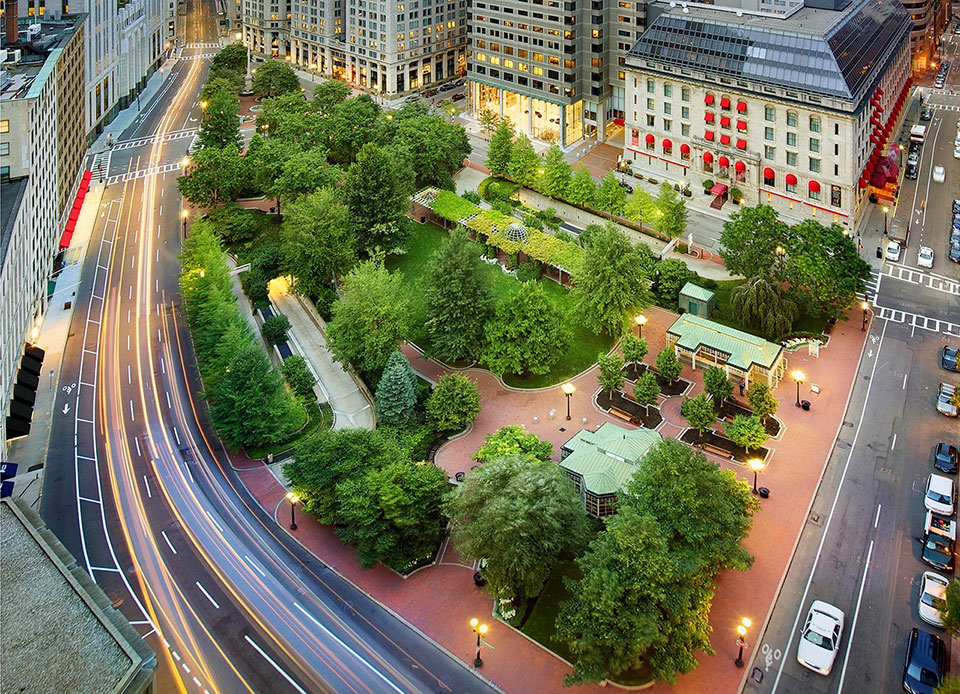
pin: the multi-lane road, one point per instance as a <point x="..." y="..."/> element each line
<point x="143" y="494"/>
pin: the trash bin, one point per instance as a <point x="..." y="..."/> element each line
<point x="879" y="252"/>
<point x="479" y="580"/>
<point x="805" y="404"/>
<point x="763" y="493"/>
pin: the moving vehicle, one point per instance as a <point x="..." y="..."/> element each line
<point x="932" y="603"/>
<point x="893" y="251"/>
<point x="945" y="400"/>
<point x="939" y="83"/>
<point x="925" y="257"/>
<point x="939" y="541"/>
<point x="948" y="357"/>
<point x="458" y="97"/>
<point x="926" y="114"/>
<point x="821" y="637"/>
<point x="938" y="496"/>
<point x="939" y="174"/>
<point x="946" y="458"/>
<point x="926" y="662"/>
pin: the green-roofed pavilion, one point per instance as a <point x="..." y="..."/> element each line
<point x="740" y="354"/>
<point x="601" y="462"/>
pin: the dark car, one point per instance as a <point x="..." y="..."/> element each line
<point x="626" y="186"/>
<point x="927" y="114"/>
<point x="948" y="357"/>
<point x="915" y="148"/>
<point x="945" y="458"/>
<point x="431" y="92"/>
<point x="458" y="97"/>
<point x="938" y="552"/>
<point x="925" y="664"/>
<point x="447" y="87"/>
<point x="954" y="254"/>
<point x="911" y="172"/>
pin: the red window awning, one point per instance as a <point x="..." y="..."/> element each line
<point x="74" y="214"/>
<point x="863" y="183"/>
<point x="708" y="99"/>
<point x="723" y="161"/>
<point x="725" y="102"/>
<point x="618" y="121"/>
<point x="741" y="144"/>
<point x="768" y="173"/>
<point x="650" y="139"/>
<point x="67" y="235"/>
<point x="87" y="175"/>
<point x="667" y="145"/>
<point x="814" y="187"/>
<point x="708" y="116"/>
<point x="725" y="121"/>
<point x="718" y="189"/>
<point x="724" y="139"/>
<point x="741" y="125"/>
<point x="739" y="167"/>
<point x="742" y="106"/>
<point x="707" y="157"/>
<point x="791" y="180"/>
<point x="684" y="149"/>
<point x="708" y="135"/>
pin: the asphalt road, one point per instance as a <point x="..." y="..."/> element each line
<point x="142" y="493"/>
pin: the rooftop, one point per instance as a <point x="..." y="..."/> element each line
<point x="11" y="195"/>
<point x="58" y="632"/>
<point x="743" y="349"/>
<point x="697" y="292"/>
<point x="828" y="52"/>
<point x="605" y="458"/>
<point x="37" y="43"/>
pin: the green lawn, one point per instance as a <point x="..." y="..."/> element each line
<point x="425" y="239"/>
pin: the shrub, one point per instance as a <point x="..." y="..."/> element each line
<point x="454" y="403"/>
<point x="471" y="196"/>
<point x="275" y="328"/>
<point x="502" y="206"/>
<point x="736" y="195"/>
<point x="295" y="370"/>
<point x="707" y="185"/>
<point x="528" y="272"/>
<point x="513" y="260"/>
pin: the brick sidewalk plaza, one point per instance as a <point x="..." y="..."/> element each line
<point x="439" y="600"/>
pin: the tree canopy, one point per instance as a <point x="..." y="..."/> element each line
<point x="750" y="239"/>
<point x="454" y="403"/>
<point x="525" y="334"/>
<point x="377" y="197"/>
<point x="317" y="241"/>
<point x="274" y="77"/>
<point x="501" y="148"/>
<point x="510" y="441"/>
<point x="396" y="394"/>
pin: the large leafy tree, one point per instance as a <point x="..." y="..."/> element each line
<point x="317" y="241"/>
<point x="556" y="173"/>
<point x="215" y="85"/>
<point x="369" y="322"/>
<point x="274" y="77"/>
<point x="459" y="298"/>
<point x="285" y="116"/>
<point x="510" y="441"/>
<point x="436" y="148"/>
<point x="717" y="384"/>
<point x="524" y="162"/>
<point x="213" y="176"/>
<point x="328" y="95"/>
<point x="298" y="375"/>
<point x="220" y="125"/>
<point x="454" y="403"/>
<point x="761" y="304"/>
<point x="232" y="57"/>
<point x="634" y="348"/>
<point x="520" y="514"/>
<point x="748" y="432"/>
<point x="501" y="148"/>
<point x="582" y="190"/>
<point x="762" y="401"/>
<point x="670" y="219"/>
<point x="699" y="413"/>
<point x="641" y="208"/>
<point x="611" y="196"/>
<point x="396" y="393"/>
<point x="349" y="126"/>
<point x="611" y="283"/>
<point x="611" y="372"/>
<point x="265" y="162"/>
<point x="305" y="172"/>
<point x="750" y="239"/>
<point x="671" y="275"/>
<point x="646" y="390"/>
<point x="668" y="365"/>
<point x="376" y="194"/>
<point x="525" y="334"/>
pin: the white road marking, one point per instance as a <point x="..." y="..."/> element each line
<point x="270" y="660"/>
<point x="128" y="343"/>
<point x="128" y="375"/>
<point x="254" y="565"/>
<point x="209" y="597"/>
<point x="132" y="418"/>
<point x="893" y="443"/>
<point x="175" y="655"/>
<point x="856" y="614"/>
<point x="168" y="400"/>
<point x="904" y="381"/>
<point x="877" y="519"/>
<point x="214" y="521"/>
<point x="146" y="483"/>
<point x="136" y="440"/>
<point x="176" y="435"/>
<point x="169" y="544"/>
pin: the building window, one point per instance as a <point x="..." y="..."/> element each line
<point x="650" y="105"/>
<point x="667" y="125"/>
<point x="814" y="124"/>
<point x="770" y="113"/>
<point x="668" y="90"/>
<point x="684" y="111"/>
<point x="684" y="94"/>
<point x="814" y="165"/>
<point x="650" y="86"/>
<point x="769" y="152"/>
<point x="667" y="108"/>
<point x="791" y="119"/>
<point x="815" y="194"/>
<point x="814" y="144"/>
<point x="791" y="187"/>
<point x="768" y="133"/>
<point x="651" y="121"/>
<point x="685" y="130"/>
<point x="791" y="139"/>
<point x="4" y="126"/>
<point x="4" y="149"/>
<point x="791" y="158"/>
<point x="4" y="173"/>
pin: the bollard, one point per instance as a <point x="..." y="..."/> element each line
<point x="553" y="413"/>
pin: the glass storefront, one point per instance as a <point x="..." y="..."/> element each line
<point x="530" y="116"/>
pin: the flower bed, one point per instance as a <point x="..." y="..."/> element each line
<point x="649" y="418"/>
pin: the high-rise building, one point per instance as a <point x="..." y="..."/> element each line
<point x="929" y="19"/>
<point x="42" y="145"/>
<point x="384" y="47"/>
<point x="553" y="68"/>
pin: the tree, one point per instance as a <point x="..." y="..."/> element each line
<point x="396" y="393"/>
<point x="220" y="124"/>
<point x="671" y="217"/>
<point x="369" y="322"/>
<point x="459" y="298"/>
<point x="435" y="148"/>
<point x="488" y="121"/>
<point x="668" y="365"/>
<point x="556" y="173"/>
<point x="524" y="162"/>
<point x="750" y="239"/>
<point x="951" y="613"/>
<point x="234" y="224"/>
<point x="671" y="275"/>
<point x="640" y="208"/>
<point x="520" y="514"/>
<point x="762" y="401"/>
<point x="377" y="198"/>
<point x="611" y="196"/>
<point x="525" y="335"/>
<point x="501" y="149"/>
<point x="611" y="283"/>
<point x="745" y="431"/>
<point x="761" y="305"/>
<point x="611" y="372"/>
<point x="351" y="125"/>
<point x="699" y="413"/>
<point x="224" y="76"/>
<point x="275" y="329"/>
<point x="454" y="403"/>
<point x="510" y="441"/>
<point x="212" y="177"/>
<point x="646" y="390"/>
<point x="328" y="95"/>
<point x="231" y="57"/>
<point x="317" y="241"/>
<point x="265" y="162"/>
<point x="305" y="172"/>
<point x="717" y="384"/>
<point x="250" y="406"/>
<point x="215" y="85"/>
<point x="581" y="190"/>
<point x="634" y="348"/>
<point x="274" y="77"/>
<point x="298" y="375"/>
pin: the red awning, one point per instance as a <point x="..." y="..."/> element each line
<point x="724" y="139"/>
<point x="814" y="186"/>
<point x="708" y="135"/>
<point x="742" y="106"/>
<point x="708" y="116"/>
<point x="618" y="121"/>
<point x="879" y="91"/>
<point x="708" y="99"/>
<point x="723" y="161"/>
<point x="741" y="144"/>
<point x="707" y="157"/>
<point x="724" y="102"/>
<point x="791" y="180"/>
<point x="77" y="202"/>
<point x="741" y="125"/>
<point x="684" y="149"/>
<point x="67" y="235"/>
<point x="768" y="173"/>
<point x="75" y="214"/>
<point x="667" y="145"/>
<point x="739" y="167"/>
<point x="87" y="175"/>
<point x="725" y="121"/>
<point x="718" y="189"/>
<point x="650" y="139"/>
<point x="863" y="183"/>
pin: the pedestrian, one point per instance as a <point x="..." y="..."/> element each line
<point x="743" y="384"/>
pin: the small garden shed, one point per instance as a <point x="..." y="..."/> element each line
<point x="696" y="301"/>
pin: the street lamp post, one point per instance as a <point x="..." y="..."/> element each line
<point x="568" y="389"/>
<point x="756" y="465"/>
<point x="865" y="306"/>
<point x="293" y="499"/>
<point x="799" y="377"/>
<point x="183" y="215"/>
<point x="641" y="321"/>
<point x="479" y="629"/>
<point x="742" y="627"/>
<point x="886" y="211"/>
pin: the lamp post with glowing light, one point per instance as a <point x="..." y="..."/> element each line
<point x="641" y="321"/>
<point x="756" y="465"/>
<point x="866" y="307"/>
<point x="742" y="627"/>
<point x="799" y="377"/>
<point x="886" y="211"/>
<point x="480" y="630"/>
<point x="183" y="215"/>
<point x="568" y="389"/>
<point x="293" y="499"/>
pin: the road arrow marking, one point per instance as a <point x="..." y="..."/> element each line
<point x="66" y="408"/>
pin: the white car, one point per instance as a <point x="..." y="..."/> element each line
<point x="893" y="251"/>
<point x="933" y="598"/>
<point x="820" y="640"/>
<point x="925" y="257"/>
<point x="956" y="151"/>
<point x="939" y="174"/>
<point x="939" y="495"/>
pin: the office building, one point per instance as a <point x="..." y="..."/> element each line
<point x="929" y="20"/>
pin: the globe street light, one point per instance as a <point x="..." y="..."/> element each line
<point x="568" y="389"/>
<point x="480" y="630"/>
<point x="799" y="377"/>
<point x="641" y="321"/>
<point x="756" y="465"/>
<point x="865" y="306"/>
<point x="742" y="627"/>
<point x="886" y="210"/>
<point x="293" y="499"/>
<point x="184" y="214"/>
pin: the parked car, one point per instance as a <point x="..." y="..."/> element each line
<point x="939" y="174"/>
<point x="933" y="602"/>
<point x="893" y="251"/>
<point x="939" y="541"/>
<point x="447" y="86"/>
<point x="946" y="458"/>
<point x="925" y="257"/>
<point x="954" y="253"/>
<point x="913" y="158"/>
<point x="945" y="400"/>
<point x="821" y="637"/>
<point x="915" y="146"/>
<point x="431" y="93"/>
<point x="956" y="203"/>
<point x="458" y="97"/>
<point x="912" y="172"/>
<point x="926" y="662"/>
<point x="926" y="114"/>
<point x="956" y="150"/>
<point x="939" y="496"/>
<point x="626" y="186"/>
<point x="948" y="358"/>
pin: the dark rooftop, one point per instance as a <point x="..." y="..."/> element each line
<point x="11" y="196"/>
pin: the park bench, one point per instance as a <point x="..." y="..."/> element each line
<point x="621" y="414"/>
<point x="716" y="450"/>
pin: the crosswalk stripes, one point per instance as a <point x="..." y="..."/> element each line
<point x="201" y="45"/>
<point x="143" y="173"/>
<point x="915" y="320"/>
<point x="928" y="280"/>
<point x="139" y="142"/>
<point x="197" y="57"/>
<point x="945" y="107"/>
